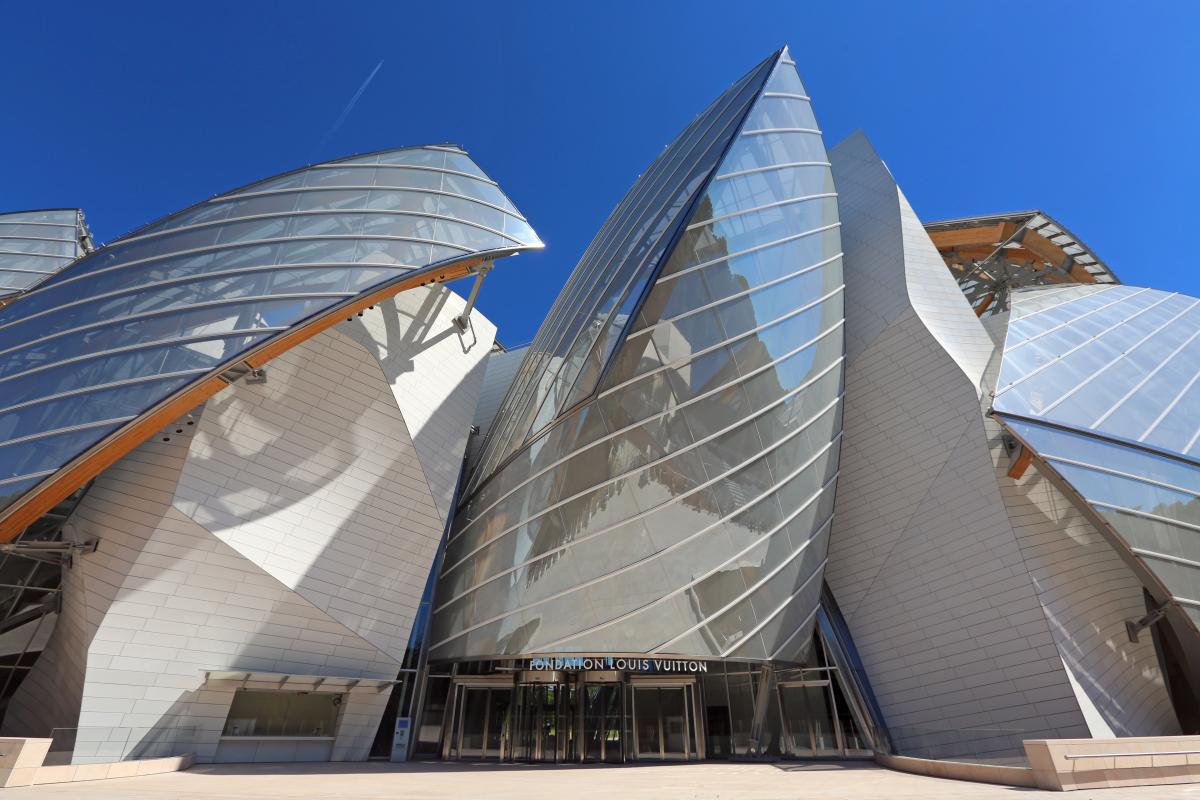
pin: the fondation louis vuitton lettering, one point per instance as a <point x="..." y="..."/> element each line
<point x="785" y="473"/>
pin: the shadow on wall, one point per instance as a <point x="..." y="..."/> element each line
<point x="128" y="553"/>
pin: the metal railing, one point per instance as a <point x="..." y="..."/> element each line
<point x="1134" y="755"/>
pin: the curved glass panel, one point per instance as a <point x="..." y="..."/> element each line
<point x="1152" y="502"/>
<point x="134" y="323"/>
<point x="669" y="448"/>
<point x="36" y="244"/>
<point x="1117" y="360"/>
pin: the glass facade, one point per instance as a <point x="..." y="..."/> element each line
<point x="1101" y="382"/>
<point x="98" y="344"/>
<point x="36" y="244"/>
<point x="660" y="476"/>
<point x="647" y="710"/>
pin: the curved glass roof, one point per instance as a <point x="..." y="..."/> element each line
<point x="673" y="462"/>
<point x="1103" y="384"/>
<point x="1116" y="361"/>
<point x="586" y="321"/>
<point x="36" y="244"/>
<point x="99" y="344"/>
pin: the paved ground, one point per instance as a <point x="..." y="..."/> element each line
<point x="447" y="781"/>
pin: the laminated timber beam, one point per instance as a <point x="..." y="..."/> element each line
<point x="50" y="492"/>
<point x="982" y="235"/>
<point x="1020" y="463"/>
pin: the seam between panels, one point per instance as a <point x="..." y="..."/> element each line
<point x="691" y="401"/>
<point x="771" y="168"/>
<point x="755" y="209"/>
<point x="761" y="581"/>
<point x="656" y="269"/>
<point x="714" y="347"/>
<point x="745" y="293"/>
<point x="298" y="190"/>
<point x="104" y="386"/>
<point x="1144" y="514"/>
<point x="908" y="521"/>
<point x="660" y="460"/>
<point x="603" y="254"/>
<point x="689" y="585"/>
<point x="133" y="348"/>
<point x="1171" y="407"/>
<point x="1141" y="551"/>
<point x="199" y="277"/>
<point x="682" y="227"/>
<point x="1087" y="313"/>
<point x="641" y="514"/>
<point x="1098" y="468"/>
<point x="748" y="251"/>
<point x="162" y="312"/>
<point x="40" y="474"/>
<point x="70" y="429"/>
<point x="220" y="247"/>
<point x="671" y="241"/>
<point x="1040" y="369"/>
<point x="1070" y="392"/>
<point x="754" y="631"/>
<point x="659" y="554"/>
<point x="1065" y="290"/>
<point x="801" y="627"/>
<point x="1146" y="380"/>
<point x="316" y="212"/>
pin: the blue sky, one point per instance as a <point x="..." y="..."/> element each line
<point x="1087" y="110"/>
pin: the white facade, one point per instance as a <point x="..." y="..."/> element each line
<point x="965" y="591"/>
<point x="287" y="531"/>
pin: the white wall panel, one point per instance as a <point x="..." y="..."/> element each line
<point x="290" y="529"/>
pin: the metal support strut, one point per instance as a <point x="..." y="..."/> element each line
<point x="1132" y="628"/>
<point x="463" y="320"/>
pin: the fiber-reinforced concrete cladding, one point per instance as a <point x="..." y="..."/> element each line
<point x="785" y="472"/>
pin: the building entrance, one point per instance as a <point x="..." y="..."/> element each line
<point x="538" y="729"/>
<point x="660" y="723"/>
<point x="560" y="717"/>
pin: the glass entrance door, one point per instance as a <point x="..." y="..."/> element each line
<point x="661" y="723"/>
<point x="601" y="719"/>
<point x="481" y="719"/>
<point x="538" y="733"/>
<point x="808" y="719"/>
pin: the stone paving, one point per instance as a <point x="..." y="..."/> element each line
<point x="449" y="781"/>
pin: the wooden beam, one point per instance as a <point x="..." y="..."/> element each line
<point x="1046" y="249"/>
<point x="978" y="253"/>
<point x="46" y="495"/>
<point x="1082" y="275"/>
<point x="985" y="303"/>
<point x="992" y="234"/>
<point x="1021" y="462"/>
<point x="289" y="339"/>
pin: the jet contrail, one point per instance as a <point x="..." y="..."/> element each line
<point x="346" y="111"/>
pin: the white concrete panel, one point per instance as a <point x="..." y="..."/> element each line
<point x="923" y="559"/>
<point x="436" y="372"/>
<point x="289" y="529"/>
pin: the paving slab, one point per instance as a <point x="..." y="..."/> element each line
<point x="454" y="781"/>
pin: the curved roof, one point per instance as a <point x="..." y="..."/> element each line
<point x="992" y="255"/>
<point x="36" y="244"/>
<point x="101" y="355"/>
<point x="1103" y="384"/>
<point x="660" y="478"/>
